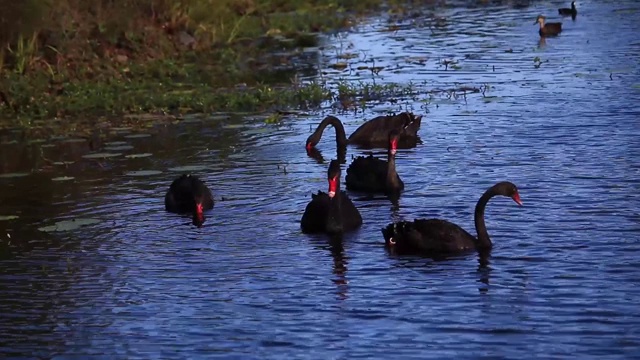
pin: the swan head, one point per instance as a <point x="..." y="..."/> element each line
<point x="540" y="19"/>
<point x="390" y="233"/>
<point x="508" y="189"/>
<point x="311" y="142"/>
<point x="198" y="215"/>
<point x="198" y="207"/>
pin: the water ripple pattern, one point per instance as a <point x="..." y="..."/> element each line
<point x="559" y="118"/>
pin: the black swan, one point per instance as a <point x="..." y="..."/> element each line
<point x="435" y="236"/>
<point x="332" y="212"/>
<point x="569" y="12"/>
<point x="370" y="174"/>
<point x="373" y="133"/>
<point x="188" y="194"/>
<point x="548" y="29"/>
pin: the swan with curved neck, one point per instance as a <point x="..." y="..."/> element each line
<point x="373" y="133"/>
<point x="331" y="212"/>
<point x="341" y="136"/>
<point x="370" y="174"/>
<point x="436" y="236"/>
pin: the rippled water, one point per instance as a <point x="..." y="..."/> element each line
<point x="562" y="280"/>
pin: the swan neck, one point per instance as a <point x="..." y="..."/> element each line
<point x="341" y="136"/>
<point x="483" y="236"/>
<point x="334" y="205"/>
<point x="337" y="195"/>
<point x="392" y="175"/>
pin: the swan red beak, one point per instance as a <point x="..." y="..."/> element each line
<point x="394" y="146"/>
<point x="309" y="146"/>
<point x="333" y="186"/>
<point x="199" y="211"/>
<point x="516" y="198"/>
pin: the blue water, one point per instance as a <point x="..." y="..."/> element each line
<point x="561" y="282"/>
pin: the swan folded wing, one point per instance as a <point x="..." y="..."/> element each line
<point x="315" y="214"/>
<point x="374" y="133"/>
<point x="179" y="198"/>
<point x="376" y="130"/>
<point x="411" y="239"/>
<point x="371" y="130"/>
<point x="350" y="214"/>
<point x="320" y="196"/>
<point x="368" y="164"/>
<point x="170" y="202"/>
<point x="319" y="204"/>
<point x="404" y="237"/>
<point x="367" y="174"/>
<point x="442" y="236"/>
<point x="207" y="202"/>
<point x="185" y="191"/>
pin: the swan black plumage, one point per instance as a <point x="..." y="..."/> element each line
<point x="331" y="212"/>
<point x="373" y="133"/>
<point x="370" y="174"/>
<point x="436" y="236"/>
<point x="188" y="194"/>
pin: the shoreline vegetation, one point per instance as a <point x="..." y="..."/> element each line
<point x="108" y="58"/>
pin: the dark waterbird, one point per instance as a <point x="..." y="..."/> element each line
<point x="373" y="133"/>
<point x="569" y="11"/>
<point x="370" y="174"/>
<point x="548" y="29"/>
<point x="188" y="194"/>
<point x="332" y="212"/>
<point x="438" y="237"/>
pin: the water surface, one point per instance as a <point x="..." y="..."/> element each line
<point x="561" y="282"/>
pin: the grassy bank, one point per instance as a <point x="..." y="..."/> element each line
<point x="71" y="58"/>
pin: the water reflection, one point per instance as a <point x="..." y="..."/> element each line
<point x="316" y="154"/>
<point x="395" y="205"/>
<point x="484" y="271"/>
<point x="542" y="42"/>
<point x="340" y="262"/>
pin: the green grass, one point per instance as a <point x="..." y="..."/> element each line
<point x="90" y="58"/>
<point x="93" y="57"/>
